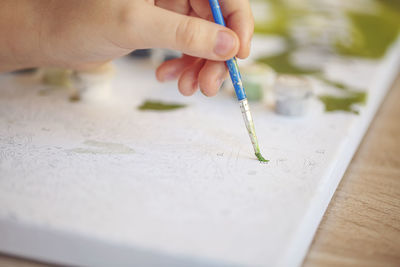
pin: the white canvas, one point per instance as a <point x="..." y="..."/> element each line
<point x="102" y="183"/>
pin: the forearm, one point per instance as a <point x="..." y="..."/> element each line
<point x="20" y="28"/>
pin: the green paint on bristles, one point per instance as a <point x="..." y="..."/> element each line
<point x="160" y="106"/>
<point x="261" y="158"/>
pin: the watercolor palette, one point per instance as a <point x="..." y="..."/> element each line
<point x="107" y="182"/>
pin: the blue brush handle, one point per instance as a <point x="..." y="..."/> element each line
<point x="231" y="63"/>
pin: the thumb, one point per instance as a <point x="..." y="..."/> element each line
<point x="161" y="28"/>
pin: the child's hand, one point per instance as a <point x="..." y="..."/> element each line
<point x="206" y="44"/>
<point x="81" y="34"/>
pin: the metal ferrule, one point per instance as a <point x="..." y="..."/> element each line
<point x="248" y="120"/>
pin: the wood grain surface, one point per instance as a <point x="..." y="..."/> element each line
<point x="361" y="226"/>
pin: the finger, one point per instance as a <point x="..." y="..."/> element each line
<point x="243" y="24"/>
<point x="193" y="36"/>
<point x="179" y="6"/>
<point x="188" y="82"/>
<point x="238" y="16"/>
<point x="212" y="76"/>
<point x="202" y="8"/>
<point x="172" y="69"/>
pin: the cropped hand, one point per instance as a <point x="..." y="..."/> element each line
<point x="82" y="34"/>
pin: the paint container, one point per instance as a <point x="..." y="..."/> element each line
<point x="159" y="56"/>
<point x="92" y="85"/>
<point x="53" y="79"/>
<point x="258" y="80"/>
<point x="293" y="94"/>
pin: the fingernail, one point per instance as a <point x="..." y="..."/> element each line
<point x="225" y="43"/>
<point x="169" y="77"/>
<point x="170" y="74"/>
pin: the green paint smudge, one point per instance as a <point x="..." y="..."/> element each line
<point x="279" y="23"/>
<point x="282" y="63"/>
<point x="335" y="84"/>
<point x="392" y="4"/>
<point x="343" y="103"/>
<point x="160" y="106"/>
<point x="57" y="77"/>
<point x="96" y="147"/>
<point x="261" y="158"/>
<point x="371" y="34"/>
<point x="334" y="103"/>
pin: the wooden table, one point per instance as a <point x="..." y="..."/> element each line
<point x="362" y="224"/>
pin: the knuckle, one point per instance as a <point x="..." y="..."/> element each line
<point x="127" y="15"/>
<point x="187" y="32"/>
<point x="127" y="19"/>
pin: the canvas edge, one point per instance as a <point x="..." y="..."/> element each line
<point x="65" y="248"/>
<point x="303" y="237"/>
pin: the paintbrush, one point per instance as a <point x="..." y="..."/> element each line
<point x="238" y="85"/>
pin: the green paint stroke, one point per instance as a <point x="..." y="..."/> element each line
<point x="160" y="106"/>
<point x="96" y="147"/>
<point x="335" y="84"/>
<point x="261" y="158"/>
<point x="334" y="103"/>
<point x="57" y="77"/>
<point x="282" y="64"/>
<point x="343" y="103"/>
<point x="391" y="4"/>
<point x="279" y="23"/>
<point x="371" y="34"/>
